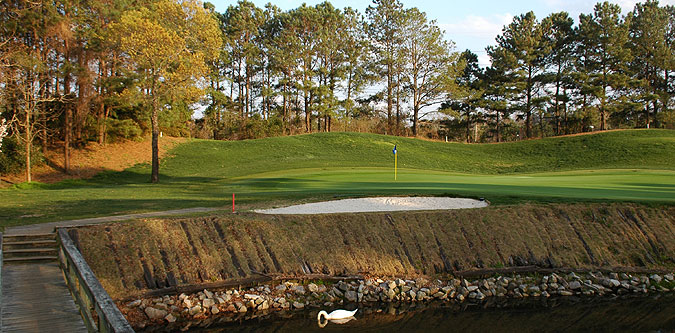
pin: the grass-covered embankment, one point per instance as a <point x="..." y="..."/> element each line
<point x="131" y="257"/>
<point x="630" y="166"/>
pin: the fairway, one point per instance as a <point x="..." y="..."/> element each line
<point x="631" y="166"/>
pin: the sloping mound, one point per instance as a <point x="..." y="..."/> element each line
<point x="134" y="257"/>
<point x="379" y="204"/>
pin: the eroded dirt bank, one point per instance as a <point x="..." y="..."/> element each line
<point x="132" y="258"/>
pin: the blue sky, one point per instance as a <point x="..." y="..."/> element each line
<point x="472" y="24"/>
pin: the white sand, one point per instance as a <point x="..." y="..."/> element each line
<point x="381" y="204"/>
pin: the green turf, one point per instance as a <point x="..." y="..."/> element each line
<point x="637" y="166"/>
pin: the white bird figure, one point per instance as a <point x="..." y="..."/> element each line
<point x="337" y="314"/>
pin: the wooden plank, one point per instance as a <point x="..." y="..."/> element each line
<point x="35" y="299"/>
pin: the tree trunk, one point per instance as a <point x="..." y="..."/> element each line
<point x="567" y="126"/>
<point x="603" y="101"/>
<point x="101" y="107"/>
<point x="389" y="96"/>
<point x="498" y="128"/>
<point x="398" y="105"/>
<point x="67" y="131"/>
<point x="528" y="107"/>
<point x="44" y="86"/>
<point x="415" y="119"/>
<point x="307" y="111"/>
<point x="154" y="119"/>
<point x="28" y="141"/>
<point x="557" y="102"/>
<point x="416" y="106"/>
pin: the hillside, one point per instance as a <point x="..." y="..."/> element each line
<point x="631" y="166"/>
<point x="95" y="158"/>
<point x="641" y="149"/>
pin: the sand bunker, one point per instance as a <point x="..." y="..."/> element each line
<point x="381" y="204"/>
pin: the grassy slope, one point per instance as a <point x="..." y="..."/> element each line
<point x="636" y="165"/>
<point x="226" y="247"/>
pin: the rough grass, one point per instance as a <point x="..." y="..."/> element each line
<point x="634" y="166"/>
<point x="231" y="247"/>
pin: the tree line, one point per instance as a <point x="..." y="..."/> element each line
<point x="73" y="72"/>
<point x="557" y="76"/>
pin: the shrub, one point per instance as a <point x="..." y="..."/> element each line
<point x="123" y="129"/>
<point x="13" y="156"/>
<point x="12" y="159"/>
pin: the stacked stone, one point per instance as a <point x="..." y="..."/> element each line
<point x="291" y="296"/>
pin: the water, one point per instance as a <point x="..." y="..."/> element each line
<point x="568" y="314"/>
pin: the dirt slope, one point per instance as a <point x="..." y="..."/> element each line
<point x="95" y="158"/>
<point x="134" y="257"/>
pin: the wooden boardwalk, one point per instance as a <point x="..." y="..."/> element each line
<point x="35" y="298"/>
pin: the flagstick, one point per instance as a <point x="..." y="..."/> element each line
<point x="395" y="165"/>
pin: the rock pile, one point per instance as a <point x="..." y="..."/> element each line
<point x="290" y="296"/>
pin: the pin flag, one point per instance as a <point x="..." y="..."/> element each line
<point x="395" y="162"/>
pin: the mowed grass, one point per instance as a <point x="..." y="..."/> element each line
<point x="635" y="166"/>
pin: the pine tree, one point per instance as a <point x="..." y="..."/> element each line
<point x="385" y="29"/>
<point x="648" y="30"/>
<point x="603" y="39"/>
<point x="560" y="36"/>
<point x="523" y="50"/>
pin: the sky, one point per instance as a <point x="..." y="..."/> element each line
<point x="472" y="24"/>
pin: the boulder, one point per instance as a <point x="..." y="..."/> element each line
<point x="134" y="304"/>
<point x="313" y="288"/>
<point x="351" y="296"/>
<point x="656" y="278"/>
<point x="155" y="313"/>
<point x="195" y="310"/>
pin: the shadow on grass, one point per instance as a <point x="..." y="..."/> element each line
<point x="54" y="211"/>
<point x="113" y="178"/>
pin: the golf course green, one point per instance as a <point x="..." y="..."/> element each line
<point x="631" y="166"/>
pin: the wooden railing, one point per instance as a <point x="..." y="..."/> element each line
<point x="0" y="280"/>
<point x="98" y="310"/>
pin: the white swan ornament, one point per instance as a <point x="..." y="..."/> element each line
<point x="337" y="314"/>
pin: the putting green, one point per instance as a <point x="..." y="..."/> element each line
<point x="630" y="185"/>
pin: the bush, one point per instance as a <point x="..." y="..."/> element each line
<point x="13" y="156"/>
<point x="123" y="129"/>
<point x="12" y="159"/>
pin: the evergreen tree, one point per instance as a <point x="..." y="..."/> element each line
<point x="523" y="49"/>
<point x="385" y="30"/>
<point x="604" y="41"/>
<point x="468" y="95"/>
<point x="560" y="36"/>
<point x="648" y="30"/>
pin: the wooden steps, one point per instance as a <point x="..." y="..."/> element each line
<point x="29" y="248"/>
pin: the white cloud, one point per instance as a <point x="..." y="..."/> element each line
<point x="575" y="7"/>
<point x="477" y="26"/>
<point x="475" y="32"/>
